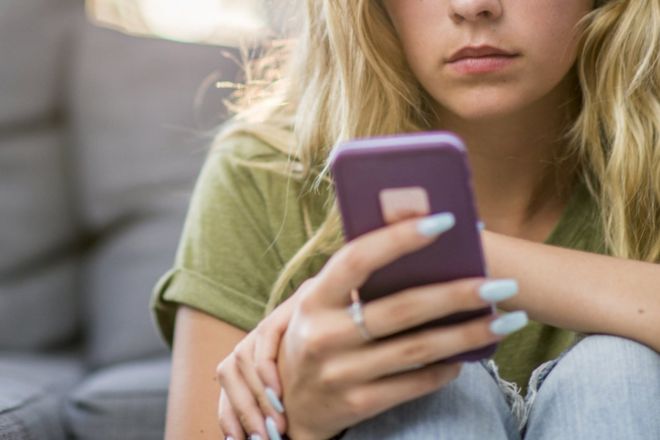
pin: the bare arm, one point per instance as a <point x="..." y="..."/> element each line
<point x="580" y="291"/>
<point x="200" y="343"/>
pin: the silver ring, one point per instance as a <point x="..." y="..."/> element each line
<point x="355" y="310"/>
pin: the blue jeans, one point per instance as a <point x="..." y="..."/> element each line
<point x="604" y="387"/>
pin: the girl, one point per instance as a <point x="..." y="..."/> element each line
<point x="558" y="102"/>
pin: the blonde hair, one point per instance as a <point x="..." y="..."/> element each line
<point x="617" y="134"/>
<point x="348" y="79"/>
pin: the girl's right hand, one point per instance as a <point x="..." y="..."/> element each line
<point x="333" y="378"/>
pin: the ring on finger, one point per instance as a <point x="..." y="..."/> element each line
<point x="356" y="312"/>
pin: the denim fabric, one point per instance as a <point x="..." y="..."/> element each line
<point x="470" y="407"/>
<point x="604" y="387"/>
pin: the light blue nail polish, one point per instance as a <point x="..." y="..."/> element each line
<point x="274" y="400"/>
<point x="481" y="226"/>
<point x="271" y="427"/>
<point x="509" y="323"/>
<point x="498" y="290"/>
<point x="255" y="437"/>
<point x="436" y="224"/>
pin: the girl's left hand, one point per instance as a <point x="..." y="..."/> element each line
<point x="247" y="372"/>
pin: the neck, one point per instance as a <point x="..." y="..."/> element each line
<point x="518" y="183"/>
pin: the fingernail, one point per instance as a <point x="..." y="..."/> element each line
<point x="255" y="437"/>
<point x="229" y="437"/>
<point x="498" y="290"/>
<point x="274" y="400"/>
<point x="509" y="323"/>
<point x="436" y="224"/>
<point x="271" y="427"/>
<point x="481" y="226"/>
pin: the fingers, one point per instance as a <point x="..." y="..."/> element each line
<point x="352" y="264"/>
<point x="229" y="423"/>
<point x="245" y="355"/>
<point x="266" y="373"/>
<point x="268" y="337"/>
<point x="375" y="397"/>
<point x="383" y="358"/>
<point x="241" y="399"/>
<point x="412" y="307"/>
<point x="265" y="355"/>
<point x="245" y="405"/>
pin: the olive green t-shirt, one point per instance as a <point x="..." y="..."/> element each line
<point x="244" y="224"/>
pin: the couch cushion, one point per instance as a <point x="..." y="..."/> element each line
<point x="141" y="138"/>
<point x="126" y="402"/>
<point x="37" y="226"/>
<point x="33" y="39"/>
<point x="119" y="271"/>
<point x="31" y="393"/>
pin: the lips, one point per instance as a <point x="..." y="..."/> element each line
<point x="471" y="52"/>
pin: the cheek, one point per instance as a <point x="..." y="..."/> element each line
<point x="550" y="33"/>
<point x="421" y="26"/>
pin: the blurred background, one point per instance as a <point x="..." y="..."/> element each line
<point x="107" y="109"/>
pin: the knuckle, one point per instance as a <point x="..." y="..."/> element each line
<point x="470" y="336"/>
<point x="400" y="234"/>
<point x="476" y="334"/>
<point x="263" y="403"/>
<point x="330" y="378"/>
<point x="218" y="369"/>
<point x="243" y="356"/>
<point x="357" y="404"/>
<point x="243" y="418"/>
<point x="470" y="289"/>
<point x="404" y="311"/>
<point x="353" y="260"/>
<point x="222" y="370"/>
<point x="307" y="304"/>
<point x="418" y="350"/>
<point x="262" y="371"/>
<point x="314" y="343"/>
<point x="463" y="295"/>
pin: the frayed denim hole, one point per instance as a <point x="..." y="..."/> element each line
<point x="511" y="393"/>
<point x="539" y="375"/>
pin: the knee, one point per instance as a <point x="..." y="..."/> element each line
<point x="610" y="353"/>
<point x="600" y="361"/>
<point x="604" y="387"/>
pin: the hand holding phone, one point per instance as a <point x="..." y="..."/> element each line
<point x="417" y="282"/>
<point x="380" y="181"/>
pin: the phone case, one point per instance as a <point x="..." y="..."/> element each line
<point x="381" y="180"/>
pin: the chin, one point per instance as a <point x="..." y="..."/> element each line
<point x="484" y="111"/>
<point x="485" y="105"/>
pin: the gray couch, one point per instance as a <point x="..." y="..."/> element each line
<point x="101" y="137"/>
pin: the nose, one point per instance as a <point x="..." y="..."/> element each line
<point x="475" y="10"/>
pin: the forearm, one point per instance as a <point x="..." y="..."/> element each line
<point x="200" y="343"/>
<point x="577" y="290"/>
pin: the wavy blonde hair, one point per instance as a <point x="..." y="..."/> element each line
<point x="348" y="79"/>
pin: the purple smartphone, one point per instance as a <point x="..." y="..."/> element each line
<point x="382" y="180"/>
